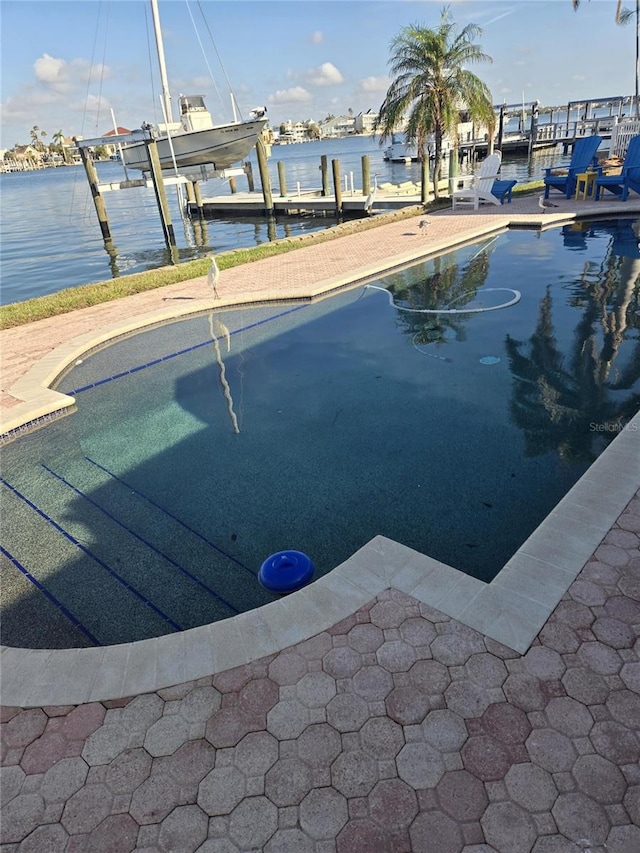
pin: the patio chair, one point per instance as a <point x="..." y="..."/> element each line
<point x="629" y="177"/>
<point x="481" y="183"/>
<point x="564" y="178"/>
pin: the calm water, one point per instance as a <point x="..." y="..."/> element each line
<point x="330" y="423"/>
<point x="50" y="238"/>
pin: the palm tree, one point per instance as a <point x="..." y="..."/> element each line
<point x="432" y="85"/>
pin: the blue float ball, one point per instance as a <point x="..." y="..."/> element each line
<point x="286" y="572"/>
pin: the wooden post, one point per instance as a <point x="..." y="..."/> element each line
<point x="325" y="175"/>
<point x="501" y="128"/>
<point x="453" y="163"/>
<point x="424" y="186"/>
<point x="198" y="197"/>
<point x="366" y="175"/>
<point x="335" y="166"/>
<point x="248" y="170"/>
<point x="161" y="195"/>
<point x="191" y="196"/>
<point x="264" y="176"/>
<point x="98" y="201"/>
<point x="282" y="179"/>
<point x="533" y="128"/>
<point x="232" y="185"/>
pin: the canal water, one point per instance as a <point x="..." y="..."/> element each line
<point x="50" y="238"/>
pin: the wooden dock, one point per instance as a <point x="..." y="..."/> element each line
<point x="386" y="197"/>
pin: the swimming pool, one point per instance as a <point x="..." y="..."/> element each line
<point x="201" y="447"/>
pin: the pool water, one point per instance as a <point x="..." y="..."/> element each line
<point x="201" y="447"/>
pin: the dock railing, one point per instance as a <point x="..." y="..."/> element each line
<point x="622" y="135"/>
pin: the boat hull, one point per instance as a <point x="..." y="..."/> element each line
<point x="221" y="146"/>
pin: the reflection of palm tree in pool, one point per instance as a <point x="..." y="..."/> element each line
<point x="569" y="408"/>
<point x="453" y="285"/>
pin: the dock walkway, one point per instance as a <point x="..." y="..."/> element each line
<point x="393" y="706"/>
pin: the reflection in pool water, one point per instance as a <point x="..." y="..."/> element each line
<point x="201" y="447"/>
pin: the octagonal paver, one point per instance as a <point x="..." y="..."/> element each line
<point x="599" y="779"/>
<point x="183" y="830"/>
<point x="288" y="782"/>
<point x="435" y="831"/>
<point x="393" y="804"/>
<point x="579" y="817"/>
<point x="253" y="822"/>
<point x="551" y="750"/>
<point x="354" y="773"/>
<point x="420" y="765"/>
<point x="462" y="796"/>
<point x="319" y="745"/>
<point x="508" y="828"/>
<point x="256" y="753"/>
<point x="347" y="712"/>
<point x="221" y="790"/>
<point x="531" y="787"/>
<point x="323" y="813"/>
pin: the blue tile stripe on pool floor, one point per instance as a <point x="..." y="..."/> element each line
<point x="144" y="541"/>
<point x="49" y="595"/>
<point x="171" y="355"/>
<point x="173" y="517"/>
<point x="125" y="583"/>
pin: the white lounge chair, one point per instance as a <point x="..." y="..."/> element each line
<point x="481" y="183"/>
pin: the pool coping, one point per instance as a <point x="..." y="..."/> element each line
<point x="510" y="610"/>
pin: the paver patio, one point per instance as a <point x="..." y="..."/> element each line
<point x="397" y="729"/>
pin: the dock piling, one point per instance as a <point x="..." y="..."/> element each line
<point x="366" y="175"/>
<point x="282" y="179"/>
<point x="198" y="199"/>
<point x="248" y="170"/>
<point x="335" y="166"/>
<point x="98" y="201"/>
<point x="264" y="176"/>
<point x="325" y="174"/>
<point x="160" y="193"/>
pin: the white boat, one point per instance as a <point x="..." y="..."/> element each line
<point x="194" y="140"/>
<point x="401" y="151"/>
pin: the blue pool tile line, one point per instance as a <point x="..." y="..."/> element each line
<point x="173" y="517"/>
<point x="144" y="541"/>
<point x="176" y="354"/>
<point x="42" y="588"/>
<point x="70" y="538"/>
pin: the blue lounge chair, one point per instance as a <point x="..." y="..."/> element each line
<point x="583" y="156"/>
<point x="629" y="177"/>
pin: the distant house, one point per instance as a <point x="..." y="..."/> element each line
<point x="112" y="149"/>
<point x="27" y="152"/>
<point x="364" y="122"/>
<point x="337" y="126"/>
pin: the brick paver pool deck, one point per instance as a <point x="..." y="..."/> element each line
<point x="394" y="705"/>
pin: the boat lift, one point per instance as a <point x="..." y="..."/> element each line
<point x="156" y="180"/>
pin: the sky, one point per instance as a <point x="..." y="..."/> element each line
<point x="65" y="65"/>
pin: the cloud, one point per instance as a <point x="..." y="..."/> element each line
<point x="373" y="85"/>
<point x="61" y="75"/>
<point x="48" y="69"/>
<point x="317" y="37"/>
<point x="324" y="75"/>
<point x="294" y="95"/>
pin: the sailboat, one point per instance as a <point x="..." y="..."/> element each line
<point x="194" y="140"/>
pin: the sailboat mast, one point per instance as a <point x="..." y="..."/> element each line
<point x="166" y="95"/>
